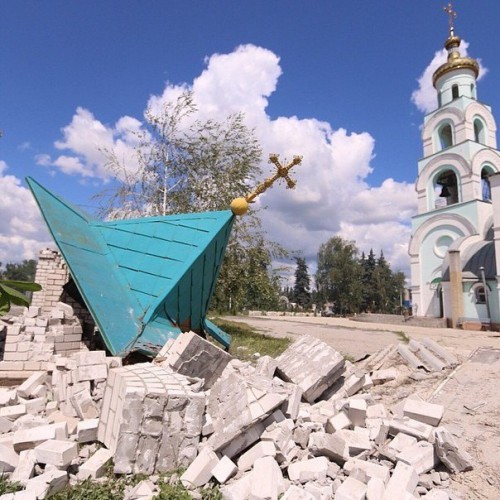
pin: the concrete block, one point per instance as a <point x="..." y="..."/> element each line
<point x="29" y="438"/>
<point x="86" y="430"/>
<point x="338" y="422"/>
<point x="8" y="397"/>
<point x="357" y="440"/>
<point x="403" y="481"/>
<point x="13" y="412"/>
<point x="5" y="425"/>
<point x="421" y="456"/>
<point x="312" y="365"/>
<point x="261" y="449"/>
<point x="239" y="489"/>
<point x="9" y="459"/>
<point x="314" y="469"/>
<point x="357" y="412"/>
<point x="25" y="468"/>
<point x="428" y="413"/>
<point x="84" y="405"/>
<point x="376" y="411"/>
<point x="351" y="489"/>
<point x="193" y="356"/>
<point x="56" y="452"/>
<point x="48" y="483"/>
<point x="200" y="470"/>
<point x="35" y="406"/>
<point x="26" y="389"/>
<point x="59" y="417"/>
<point x="400" y="442"/>
<point x="455" y="459"/>
<point x="268" y="482"/>
<point x="92" y="372"/>
<point x="375" y="489"/>
<point x="224" y="470"/>
<point x="411" y="427"/>
<point x="371" y="469"/>
<point x="332" y="446"/>
<point x="95" y="466"/>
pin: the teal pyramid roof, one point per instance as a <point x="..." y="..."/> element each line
<point x="143" y="280"/>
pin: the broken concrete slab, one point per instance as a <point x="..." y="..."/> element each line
<point x="312" y="365"/>
<point x="193" y="356"/>
<point x="455" y="459"/>
<point x="236" y="403"/>
<point x="314" y="469"/>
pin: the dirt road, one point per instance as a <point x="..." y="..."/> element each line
<point x="355" y="338"/>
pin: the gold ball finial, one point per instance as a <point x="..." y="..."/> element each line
<point x="239" y="206"/>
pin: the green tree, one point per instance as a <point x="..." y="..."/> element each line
<point x="338" y="278"/>
<point x="302" y="286"/>
<point x="24" y="271"/>
<point x="389" y="286"/>
<point x="186" y="165"/>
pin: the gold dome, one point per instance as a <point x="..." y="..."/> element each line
<point x="455" y="60"/>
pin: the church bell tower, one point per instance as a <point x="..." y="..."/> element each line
<point x="455" y="210"/>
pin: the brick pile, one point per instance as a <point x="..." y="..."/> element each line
<point x="307" y="425"/>
<point x="31" y="340"/>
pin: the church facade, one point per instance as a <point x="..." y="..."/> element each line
<point x="455" y="243"/>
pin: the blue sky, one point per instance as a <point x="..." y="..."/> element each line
<point x="332" y="80"/>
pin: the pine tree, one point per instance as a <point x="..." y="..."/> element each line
<point x="302" y="287"/>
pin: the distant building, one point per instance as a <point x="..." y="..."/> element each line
<point x="455" y="243"/>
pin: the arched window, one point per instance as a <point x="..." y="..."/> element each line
<point x="439" y="99"/>
<point x="480" y="294"/>
<point x="485" y="184"/>
<point x="454" y="92"/>
<point x="472" y="91"/>
<point x="479" y="132"/>
<point x="445" y="136"/>
<point x="446" y="189"/>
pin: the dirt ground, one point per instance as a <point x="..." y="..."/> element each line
<point x="469" y="392"/>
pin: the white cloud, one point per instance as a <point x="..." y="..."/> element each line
<point x="333" y="195"/>
<point x="22" y="230"/>
<point x="91" y="140"/>
<point x="425" y="97"/>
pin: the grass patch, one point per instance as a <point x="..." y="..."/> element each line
<point x="246" y="341"/>
<point x="7" y="487"/>
<point x="114" y="488"/>
<point x="403" y="337"/>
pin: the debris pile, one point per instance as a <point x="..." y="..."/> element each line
<point x="306" y="425"/>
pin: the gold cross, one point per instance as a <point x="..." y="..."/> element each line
<point x="281" y="173"/>
<point x="453" y="15"/>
